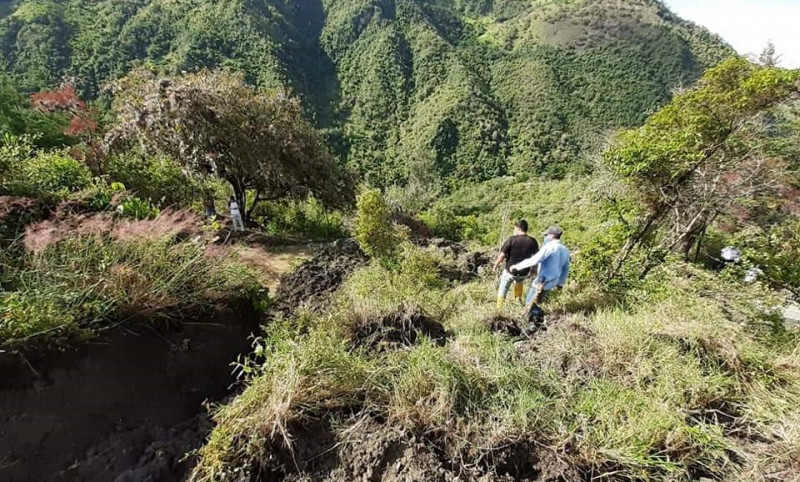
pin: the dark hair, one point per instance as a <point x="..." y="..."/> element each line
<point x="522" y="225"/>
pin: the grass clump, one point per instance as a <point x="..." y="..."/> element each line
<point x="79" y="285"/>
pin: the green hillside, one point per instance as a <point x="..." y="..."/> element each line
<point x="406" y="89"/>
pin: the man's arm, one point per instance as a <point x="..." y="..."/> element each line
<point x="532" y="261"/>
<point x="503" y="254"/>
<point x="500" y="259"/>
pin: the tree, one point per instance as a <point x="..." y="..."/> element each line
<point x="376" y="231"/>
<point x="17" y="118"/>
<point x="768" y="58"/>
<point x="212" y="122"/>
<point x="82" y="119"/>
<point x="702" y="155"/>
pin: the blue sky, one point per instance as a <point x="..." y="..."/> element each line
<point x="748" y="24"/>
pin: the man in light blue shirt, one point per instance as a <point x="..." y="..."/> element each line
<point x="553" y="262"/>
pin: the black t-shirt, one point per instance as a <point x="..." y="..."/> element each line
<point x="519" y="248"/>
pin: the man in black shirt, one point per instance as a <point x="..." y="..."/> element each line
<point x="518" y="247"/>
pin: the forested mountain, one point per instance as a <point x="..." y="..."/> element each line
<point x="406" y="89"/>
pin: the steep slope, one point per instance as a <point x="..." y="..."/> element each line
<point x="408" y="89"/>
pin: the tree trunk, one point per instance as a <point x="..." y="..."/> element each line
<point x="256" y="200"/>
<point x="699" y="244"/>
<point x="634" y="241"/>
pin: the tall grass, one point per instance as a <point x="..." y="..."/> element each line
<point x="78" y="285"/>
<point x="633" y="392"/>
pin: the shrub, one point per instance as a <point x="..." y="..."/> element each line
<point x="308" y="218"/>
<point x="443" y="222"/>
<point x="135" y="208"/>
<point x="376" y="233"/>
<point x="13" y="151"/>
<point x="159" y="180"/>
<point x="49" y="175"/>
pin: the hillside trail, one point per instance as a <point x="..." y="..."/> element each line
<point x="274" y="262"/>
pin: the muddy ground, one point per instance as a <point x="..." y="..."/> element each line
<point x="366" y="449"/>
<point x="318" y="277"/>
<point x="126" y="407"/>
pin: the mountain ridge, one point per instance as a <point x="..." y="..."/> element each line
<point x="423" y="91"/>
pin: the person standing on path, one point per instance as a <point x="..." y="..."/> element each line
<point x="553" y="263"/>
<point x="517" y="248"/>
<point x="236" y="215"/>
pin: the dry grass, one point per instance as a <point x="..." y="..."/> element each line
<point x="169" y="224"/>
<point x="75" y="286"/>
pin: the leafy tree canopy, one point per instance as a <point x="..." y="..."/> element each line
<point x="409" y="92"/>
<point x="213" y="122"/>
<point x="714" y="148"/>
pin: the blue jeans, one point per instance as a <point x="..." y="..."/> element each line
<point x="537" y="287"/>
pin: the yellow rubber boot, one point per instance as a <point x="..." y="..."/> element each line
<point x="518" y="292"/>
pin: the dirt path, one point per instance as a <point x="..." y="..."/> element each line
<point x="273" y="262"/>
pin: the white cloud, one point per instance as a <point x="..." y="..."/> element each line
<point x="749" y="24"/>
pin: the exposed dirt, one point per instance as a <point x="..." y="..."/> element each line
<point x="365" y="449"/>
<point x="417" y="228"/>
<point x="320" y="276"/>
<point x="504" y="324"/>
<point x="121" y="408"/>
<point x="461" y="265"/>
<point x="396" y="330"/>
<point x="273" y="262"/>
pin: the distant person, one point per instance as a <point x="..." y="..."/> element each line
<point x="553" y="263"/>
<point x="730" y="256"/>
<point x="517" y="248"/>
<point x="236" y="215"/>
<point x="211" y="209"/>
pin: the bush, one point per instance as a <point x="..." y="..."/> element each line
<point x="376" y="233"/>
<point x="308" y="219"/>
<point x="13" y="151"/>
<point x="51" y="176"/>
<point x="135" y="208"/>
<point x="159" y="180"/>
<point x="444" y="222"/>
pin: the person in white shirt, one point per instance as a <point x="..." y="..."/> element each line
<point x="236" y="215"/>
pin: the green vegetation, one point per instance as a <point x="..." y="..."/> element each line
<point x="708" y="154"/>
<point x="307" y="219"/>
<point x="664" y="362"/>
<point x="18" y="118"/>
<point x="376" y="232"/>
<point x="411" y="92"/>
<point x="674" y="373"/>
<point x="653" y="365"/>
<point x="215" y="124"/>
<point x="157" y="179"/>
<point x="77" y="286"/>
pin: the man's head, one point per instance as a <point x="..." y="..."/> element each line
<point x="553" y="232"/>
<point x="521" y="227"/>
